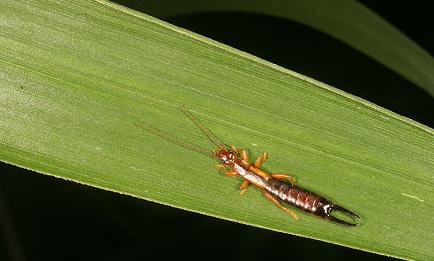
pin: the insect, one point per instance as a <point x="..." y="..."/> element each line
<point x="235" y="162"/>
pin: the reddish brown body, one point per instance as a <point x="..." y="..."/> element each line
<point x="299" y="197"/>
<point x="234" y="162"/>
<point x="303" y="199"/>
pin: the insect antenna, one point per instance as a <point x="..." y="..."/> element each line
<point x="208" y="133"/>
<point x="173" y="139"/>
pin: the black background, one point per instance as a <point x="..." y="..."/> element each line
<point x="43" y="218"/>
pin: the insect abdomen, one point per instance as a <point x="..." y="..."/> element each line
<point x="299" y="197"/>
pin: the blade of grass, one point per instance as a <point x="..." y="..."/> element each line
<point x="77" y="76"/>
<point x="346" y="20"/>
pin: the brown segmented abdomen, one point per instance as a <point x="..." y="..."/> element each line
<point x="299" y="197"/>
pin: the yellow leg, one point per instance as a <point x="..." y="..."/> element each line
<point x="284" y="176"/>
<point x="244" y="156"/>
<point x="231" y="172"/>
<point x="260" y="159"/>
<point x="244" y="186"/>
<point x="277" y="203"/>
<point x="243" y="153"/>
<point x="223" y="169"/>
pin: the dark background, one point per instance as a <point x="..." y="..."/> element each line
<point x="43" y="218"/>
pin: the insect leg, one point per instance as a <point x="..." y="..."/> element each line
<point x="221" y="167"/>
<point x="277" y="203"/>
<point x="230" y="172"/>
<point x="260" y="159"/>
<point x="243" y="186"/>
<point x="284" y="176"/>
<point x="243" y="153"/>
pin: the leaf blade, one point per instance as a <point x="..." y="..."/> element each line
<point x="72" y="93"/>
<point x="347" y="21"/>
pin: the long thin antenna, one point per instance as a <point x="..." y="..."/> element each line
<point x="173" y="139"/>
<point x="209" y="134"/>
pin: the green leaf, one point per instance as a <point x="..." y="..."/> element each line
<point x="76" y="78"/>
<point x="346" y="20"/>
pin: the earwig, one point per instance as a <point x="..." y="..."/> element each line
<point x="234" y="162"/>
